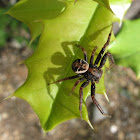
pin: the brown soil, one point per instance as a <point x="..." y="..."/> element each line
<point x="19" y="122"/>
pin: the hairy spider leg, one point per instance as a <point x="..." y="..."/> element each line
<point x="84" y="51"/>
<point x="67" y="78"/>
<point x="107" y="54"/>
<point x="94" y="99"/>
<point x="77" y="82"/>
<point x="103" y="49"/>
<point x="92" y="56"/>
<point x="81" y="96"/>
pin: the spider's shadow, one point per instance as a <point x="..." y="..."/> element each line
<point x="62" y="62"/>
<point x="65" y="61"/>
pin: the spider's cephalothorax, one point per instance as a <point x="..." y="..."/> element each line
<point x="80" y="66"/>
<point x="90" y="72"/>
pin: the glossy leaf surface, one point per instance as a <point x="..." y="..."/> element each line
<point x="61" y="26"/>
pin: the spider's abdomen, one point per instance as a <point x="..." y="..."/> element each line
<point x="93" y="74"/>
<point x="80" y="66"/>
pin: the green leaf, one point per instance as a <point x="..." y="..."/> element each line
<point x="32" y="12"/>
<point x="86" y="23"/>
<point x="104" y="3"/>
<point x="126" y="49"/>
<point x="120" y="7"/>
<point x="3" y="37"/>
<point x="4" y="20"/>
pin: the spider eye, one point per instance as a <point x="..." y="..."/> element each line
<point x="80" y="66"/>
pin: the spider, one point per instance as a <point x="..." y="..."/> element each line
<point x="89" y="72"/>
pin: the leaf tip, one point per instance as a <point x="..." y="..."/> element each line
<point x="30" y="43"/>
<point x="21" y="62"/>
<point x="8" y="97"/>
<point x="106" y="96"/>
<point x="90" y="124"/>
<point x="138" y="75"/>
<point x="6" y="13"/>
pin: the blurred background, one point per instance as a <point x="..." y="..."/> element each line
<point x="19" y="122"/>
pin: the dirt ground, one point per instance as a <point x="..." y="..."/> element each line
<point x="19" y="122"/>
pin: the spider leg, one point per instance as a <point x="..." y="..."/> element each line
<point x="103" y="49"/>
<point x="92" y="55"/>
<point x="77" y="82"/>
<point x="94" y="99"/>
<point x="104" y="60"/>
<point x="84" y="51"/>
<point x="75" y="1"/>
<point x="81" y="96"/>
<point x="67" y="78"/>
